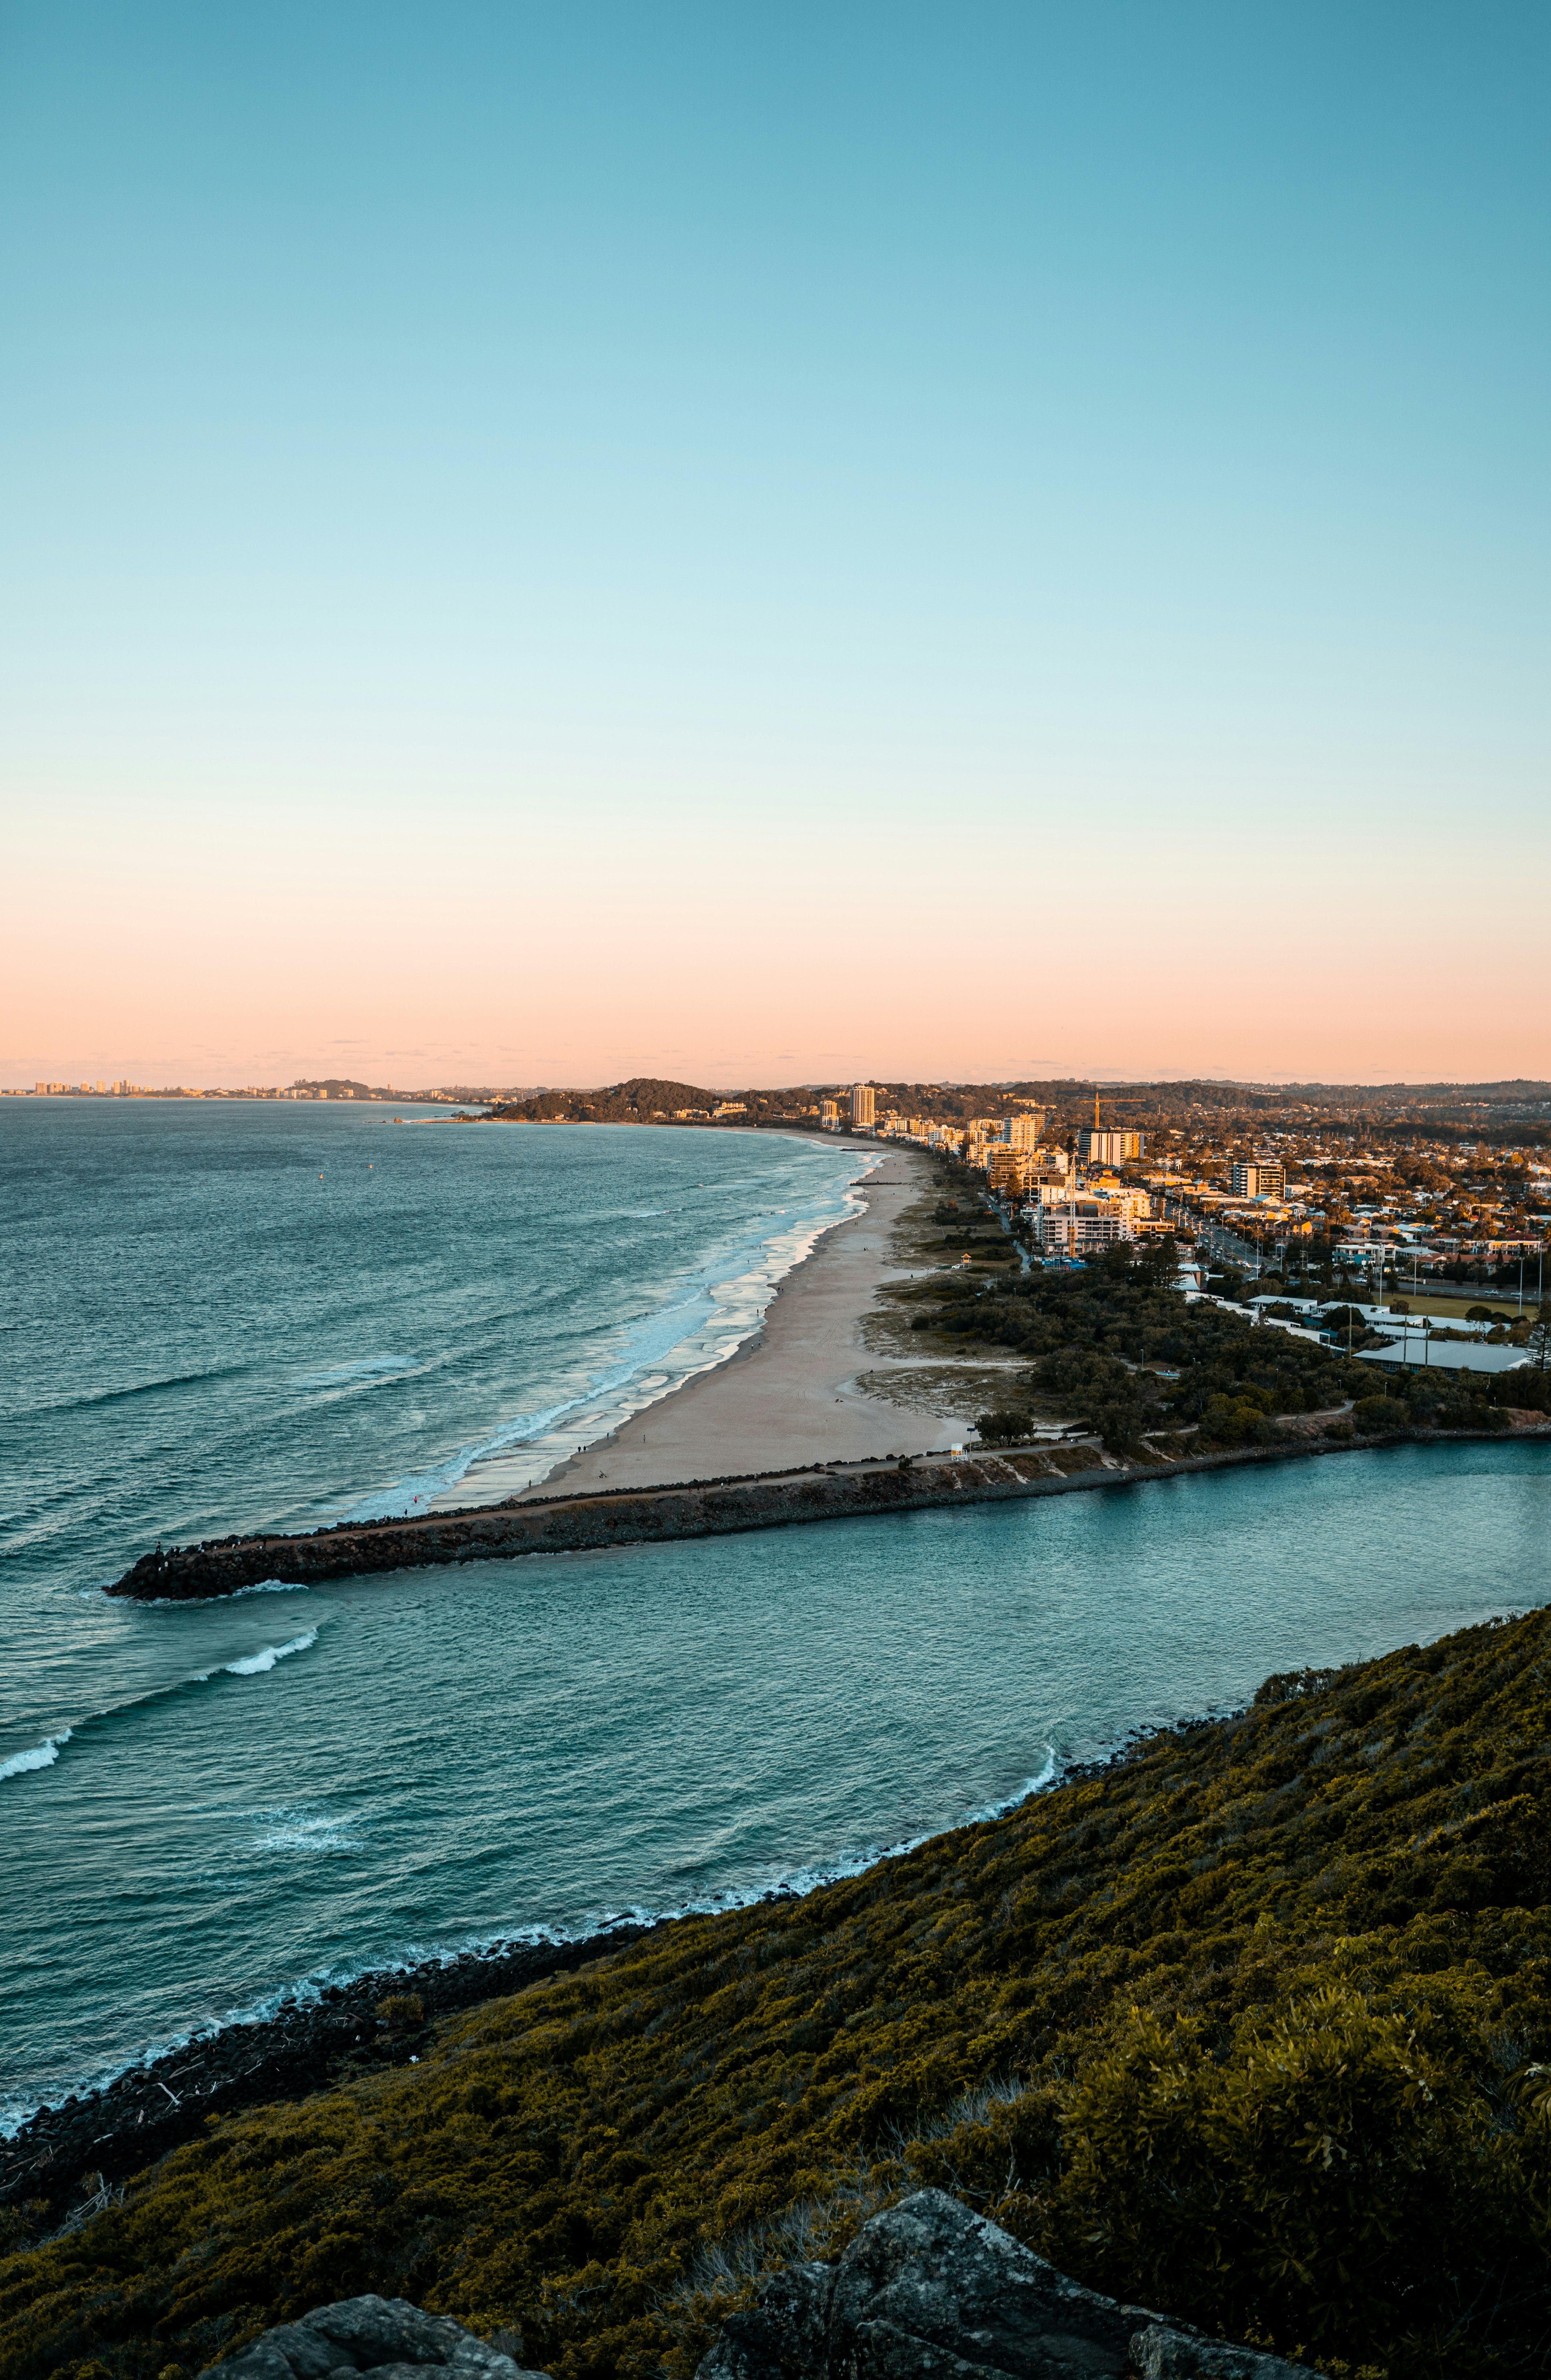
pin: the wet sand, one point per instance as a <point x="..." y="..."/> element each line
<point x="788" y="1396"/>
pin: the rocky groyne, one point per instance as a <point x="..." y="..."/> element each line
<point x="697" y="1508"/>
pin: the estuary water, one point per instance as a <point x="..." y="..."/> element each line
<point x="219" y="1317"/>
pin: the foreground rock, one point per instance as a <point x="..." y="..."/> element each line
<point x="930" y="2291"/>
<point x="387" y="2336"/>
<point x="926" y="2292"/>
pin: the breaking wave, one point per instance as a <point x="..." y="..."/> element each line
<point x="40" y="1756"/>
<point x="722" y="1304"/>
<point x="256" y="1664"/>
<point x="249" y="1665"/>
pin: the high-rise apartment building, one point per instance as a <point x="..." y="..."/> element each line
<point x="864" y="1105"/>
<point x="1260" y="1177"/>
<point x="1023" y="1130"/>
<point x="1079" y="1224"/>
<point x="1110" y="1148"/>
<point x="1009" y="1168"/>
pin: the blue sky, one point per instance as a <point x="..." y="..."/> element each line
<point x="1097" y="455"/>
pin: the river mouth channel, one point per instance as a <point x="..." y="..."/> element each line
<point x="310" y="1784"/>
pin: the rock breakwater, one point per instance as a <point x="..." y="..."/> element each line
<point x="696" y="1508"/>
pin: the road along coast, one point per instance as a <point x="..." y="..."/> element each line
<point x="694" y="1509"/>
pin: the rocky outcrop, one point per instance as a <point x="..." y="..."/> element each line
<point x="386" y="2336"/>
<point x="930" y="2291"/>
<point x="924" y="2292"/>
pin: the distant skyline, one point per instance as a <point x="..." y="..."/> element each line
<point x="545" y="547"/>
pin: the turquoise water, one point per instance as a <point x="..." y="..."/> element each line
<point x="209" y="1805"/>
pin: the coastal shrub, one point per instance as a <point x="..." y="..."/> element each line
<point x="1381" y="1412"/>
<point x="1235" y="1421"/>
<point x="1091" y="1336"/>
<point x="1004" y="1427"/>
<point x="1252" y="2025"/>
<point x="1119" y="1423"/>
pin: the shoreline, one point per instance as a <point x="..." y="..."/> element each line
<point x="785" y="1398"/>
<point x="67" y="2155"/>
<point x="116" y="2129"/>
<point x="322" y="2037"/>
<point x="685" y="1414"/>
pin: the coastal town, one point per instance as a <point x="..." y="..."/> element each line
<point x="1429" y="1197"/>
<point x="1291" y="1201"/>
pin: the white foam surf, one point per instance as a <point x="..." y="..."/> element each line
<point x="39" y="1755"/>
<point x="256" y="1664"/>
<point x="249" y="1665"/>
<point x="721" y="1305"/>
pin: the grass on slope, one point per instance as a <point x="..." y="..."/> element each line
<point x="1252" y="2027"/>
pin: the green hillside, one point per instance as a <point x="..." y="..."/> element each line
<point x="1253" y="2026"/>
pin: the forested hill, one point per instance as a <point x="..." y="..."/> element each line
<point x="647" y="1100"/>
<point x="641" y="1101"/>
<point x="1252" y="2027"/>
<point x="1490" y="1111"/>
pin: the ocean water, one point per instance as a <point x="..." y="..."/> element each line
<point x="205" y="1807"/>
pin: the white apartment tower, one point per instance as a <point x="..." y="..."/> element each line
<point x="864" y="1105"/>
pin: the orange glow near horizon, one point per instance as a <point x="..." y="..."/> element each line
<point x="504" y="952"/>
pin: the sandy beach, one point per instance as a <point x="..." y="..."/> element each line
<point x="790" y="1395"/>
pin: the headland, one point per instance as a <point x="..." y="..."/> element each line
<point x="1271" y="1982"/>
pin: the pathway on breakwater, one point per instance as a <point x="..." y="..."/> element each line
<point x="698" y="1508"/>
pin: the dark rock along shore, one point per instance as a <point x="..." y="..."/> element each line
<point x="67" y="2153"/>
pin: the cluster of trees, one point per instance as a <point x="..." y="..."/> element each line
<point x="1116" y="1346"/>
